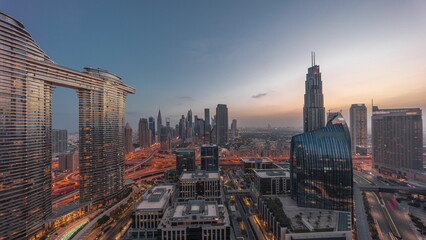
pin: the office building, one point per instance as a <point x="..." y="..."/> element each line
<point x="200" y="184"/>
<point x="249" y="164"/>
<point x="271" y="181"/>
<point x="321" y="167"/>
<point x="185" y="160"/>
<point x="151" y="126"/>
<point x="165" y="140"/>
<point x="207" y="126"/>
<point x="279" y="214"/>
<point x="234" y="130"/>
<point x="144" y="133"/>
<point x="209" y="157"/>
<point x="68" y="161"/>
<point x="313" y="109"/>
<point x="148" y="212"/>
<point x="221" y="124"/>
<point x="358" y="124"/>
<point x="128" y="139"/>
<point x="397" y="139"/>
<point x="195" y="220"/>
<point x="59" y="140"/>
<point x="29" y="78"/>
<point x="207" y="116"/>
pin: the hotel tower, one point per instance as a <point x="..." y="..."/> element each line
<point x="27" y="79"/>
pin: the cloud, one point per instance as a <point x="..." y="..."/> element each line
<point x="185" y="98"/>
<point x="259" y="95"/>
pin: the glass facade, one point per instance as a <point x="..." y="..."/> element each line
<point x="185" y="160"/>
<point x="321" y="168"/>
<point x="27" y="80"/>
<point x="209" y="158"/>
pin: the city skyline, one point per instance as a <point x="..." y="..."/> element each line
<point x="261" y="51"/>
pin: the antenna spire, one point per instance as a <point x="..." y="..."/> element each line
<point x="314" y="58"/>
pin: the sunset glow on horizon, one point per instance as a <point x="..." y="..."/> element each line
<point x="252" y="56"/>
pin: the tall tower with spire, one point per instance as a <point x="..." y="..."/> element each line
<point x="159" y="125"/>
<point x="313" y="109"/>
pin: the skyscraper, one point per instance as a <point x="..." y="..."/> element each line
<point x="207" y="116"/>
<point x="28" y="79"/>
<point x="207" y="126"/>
<point x="358" y="123"/>
<point x="209" y="158"/>
<point x="128" y="138"/>
<point x="222" y="124"/>
<point x="182" y="128"/>
<point x="151" y="126"/>
<point x="189" y="127"/>
<point x="159" y="125"/>
<point x="234" y="128"/>
<point x="313" y="109"/>
<point x="144" y="133"/>
<point x="321" y="167"/>
<point x="59" y="140"/>
<point x="185" y="160"/>
<point x="165" y="139"/>
<point x="397" y="138"/>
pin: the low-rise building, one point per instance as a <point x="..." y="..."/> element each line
<point x="271" y="181"/>
<point x="281" y="214"/>
<point x="249" y="164"/>
<point x="148" y="213"/>
<point x="200" y="185"/>
<point x="195" y="220"/>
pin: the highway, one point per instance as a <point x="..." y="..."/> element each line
<point x="398" y="222"/>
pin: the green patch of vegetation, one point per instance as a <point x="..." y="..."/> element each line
<point x="276" y="207"/>
<point x="373" y="230"/>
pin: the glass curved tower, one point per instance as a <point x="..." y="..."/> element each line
<point x="27" y="79"/>
<point x="321" y="167"/>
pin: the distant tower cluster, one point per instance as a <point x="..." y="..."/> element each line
<point x="313" y="110"/>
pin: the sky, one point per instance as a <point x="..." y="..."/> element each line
<point x="251" y="55"/>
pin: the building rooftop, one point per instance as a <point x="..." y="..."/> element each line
<point x="184" y="150"/>
<point x="156" y="197"/>
<point x="316" y="218"/>
<point x="199" y="175"/>
<point x="195" y="212"/>
<point x="283" y="165"/>
<point x="396" y="111"/>
<point x="271" y="173"/>
<point x="256" y="160"/>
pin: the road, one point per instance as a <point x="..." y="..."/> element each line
<point x="398" y="214"/>
<point x="86" y="230"/>
<point x="382" y="225"/>
<point x="361" y="218"/>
